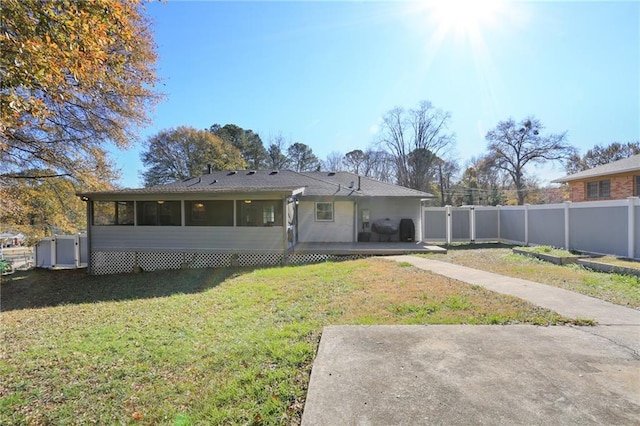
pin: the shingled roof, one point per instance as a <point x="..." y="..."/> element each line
<point x="631" y="164"/>
<point x="340" y="184"/>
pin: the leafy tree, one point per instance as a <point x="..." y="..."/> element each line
<point x="512" y="146"/>
<point x="302" y="158"/>
<point x="76" y="75"/>
<point x="481" y="184"/>
<point x="414" y="138"/>
<point x="276" y="159"/>
<point x="184" y="152"/>
<point x="48" y="205"/>
<point x="246" y="141"/>
<point x="600" y="155"/>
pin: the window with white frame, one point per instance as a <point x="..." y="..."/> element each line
<point x="324" y="212"/>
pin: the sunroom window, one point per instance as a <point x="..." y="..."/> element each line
<point x="259" y="213"/>
<point x="112" y="213"/>
<point x="159" y="213"/>
<point x="209" y="213"/>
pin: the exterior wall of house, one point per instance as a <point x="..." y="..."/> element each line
<point x="622" y="186"/>
<point x="186" y="238"/>
<point x="340" y="229"/>
<point x="392" y="208"/>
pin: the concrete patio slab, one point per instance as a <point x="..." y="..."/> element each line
<point x="458" y="374"/>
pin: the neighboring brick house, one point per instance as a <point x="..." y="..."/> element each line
<point x="614" y="181"/>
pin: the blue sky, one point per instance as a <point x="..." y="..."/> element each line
<point x="323" y="73"/>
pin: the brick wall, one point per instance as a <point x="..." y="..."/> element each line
<point x="621" y="187"/>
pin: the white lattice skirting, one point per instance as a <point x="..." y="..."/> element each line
<point x="114" y="262"/>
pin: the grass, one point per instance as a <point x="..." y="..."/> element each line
<point x="609" y="260"/>
<point x="552" y="251"/>
<point x="620" y="289"/>
<point x="186" y="347"/>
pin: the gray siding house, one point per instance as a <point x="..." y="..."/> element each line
<point x="242" y="217"/>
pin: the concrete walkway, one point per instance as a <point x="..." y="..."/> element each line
<point x="498" y="375"/>
<point x="615" y="322"/>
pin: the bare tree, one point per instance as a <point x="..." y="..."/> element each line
<point x="600" y="155"/>
<point x="512" y="146"/>
<point x="333" y="162"/>
<point x="380" y="166"/>
<point x="354" y="161"/>
<point x="370" y="163"/>
<point x="415" y="138"/>
<point x="446" y="171"/>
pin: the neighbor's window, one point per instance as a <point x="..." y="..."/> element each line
<point x="259" y="213"/>
<point x="159" y="213"/>
<point x="112" y="213"/>
<point x="209" y="213"/>
<point x="598" y="189"/>
<point x="324" y="212"/>
<point x="637" y="193"/>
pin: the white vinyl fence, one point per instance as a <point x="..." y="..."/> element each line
<point x="600" y="227"/>
<point x="63" y="252"/>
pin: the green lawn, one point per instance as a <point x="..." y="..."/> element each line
<point x="183" y="347"/>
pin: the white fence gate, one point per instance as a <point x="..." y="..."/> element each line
<point x="602" y="227"/>
<point x="63" y="252"/>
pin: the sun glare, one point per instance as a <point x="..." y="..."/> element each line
<point x="464" y="18"/>
<point x="466" y="32"/>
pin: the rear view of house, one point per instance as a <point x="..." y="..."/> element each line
<point x="241" y="217"/>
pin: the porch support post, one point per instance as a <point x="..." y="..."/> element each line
<point x="89" y="223"/>
<point x="285" y="224"/>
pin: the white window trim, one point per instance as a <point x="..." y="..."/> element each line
<point x="333" y="211"/>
